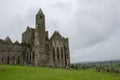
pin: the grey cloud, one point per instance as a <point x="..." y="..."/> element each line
<point x="94" y="23"/>
<point x="106" y="50"/>
<point x="62" y="6"/>
<point x="92" y="26"/>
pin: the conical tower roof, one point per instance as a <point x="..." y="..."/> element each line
<point x="40" y="12"/>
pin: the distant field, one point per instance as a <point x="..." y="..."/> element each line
<point x="39" y="73"/>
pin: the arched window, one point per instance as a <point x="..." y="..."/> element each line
<point x="65" y="56"/>
<point x="8" y="59"/>
<point x="33" y="55"/>
<point x="61" y="52"/>
<point x="13" y="59"/>
<point x="40" y="17"/>
<point x="18" y="60"/>
<point x="3" y="50"/>
<point x="2" y="60"/>
<point x="53" y="55"/>
<point x="58" y="53"/>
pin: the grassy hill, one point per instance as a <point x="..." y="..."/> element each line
<point x="39" y="73"/>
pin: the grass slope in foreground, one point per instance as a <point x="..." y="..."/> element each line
<point x="39" y="73"/>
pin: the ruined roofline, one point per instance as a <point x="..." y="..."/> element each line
<point x="58" y="34"/>
<point x="28" y="28"/>
<point x="3" y="42"/>
<point x="8" y="40"/>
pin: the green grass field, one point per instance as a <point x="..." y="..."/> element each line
<point x="39" y="73"/>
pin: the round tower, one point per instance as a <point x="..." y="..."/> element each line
<point x="40" y="53"/>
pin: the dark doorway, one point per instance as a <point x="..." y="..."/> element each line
<point x="8" y="60"/>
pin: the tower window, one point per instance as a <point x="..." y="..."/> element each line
<point x="40" y="17"/>
<point x="3" y="50"/>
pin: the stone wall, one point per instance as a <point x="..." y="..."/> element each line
<point x="60" y="51"/>
<point x="12" y="54"/>
<point x="29" y="36"/>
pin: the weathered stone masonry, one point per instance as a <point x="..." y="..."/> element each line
<point x="36" y="47"/>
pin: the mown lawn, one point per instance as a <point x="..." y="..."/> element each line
<point x="39" y="73"/>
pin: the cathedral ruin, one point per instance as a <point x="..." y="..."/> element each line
<point x="37" y="48"/>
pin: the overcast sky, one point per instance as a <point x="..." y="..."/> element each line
<point x="92" y="26"/>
